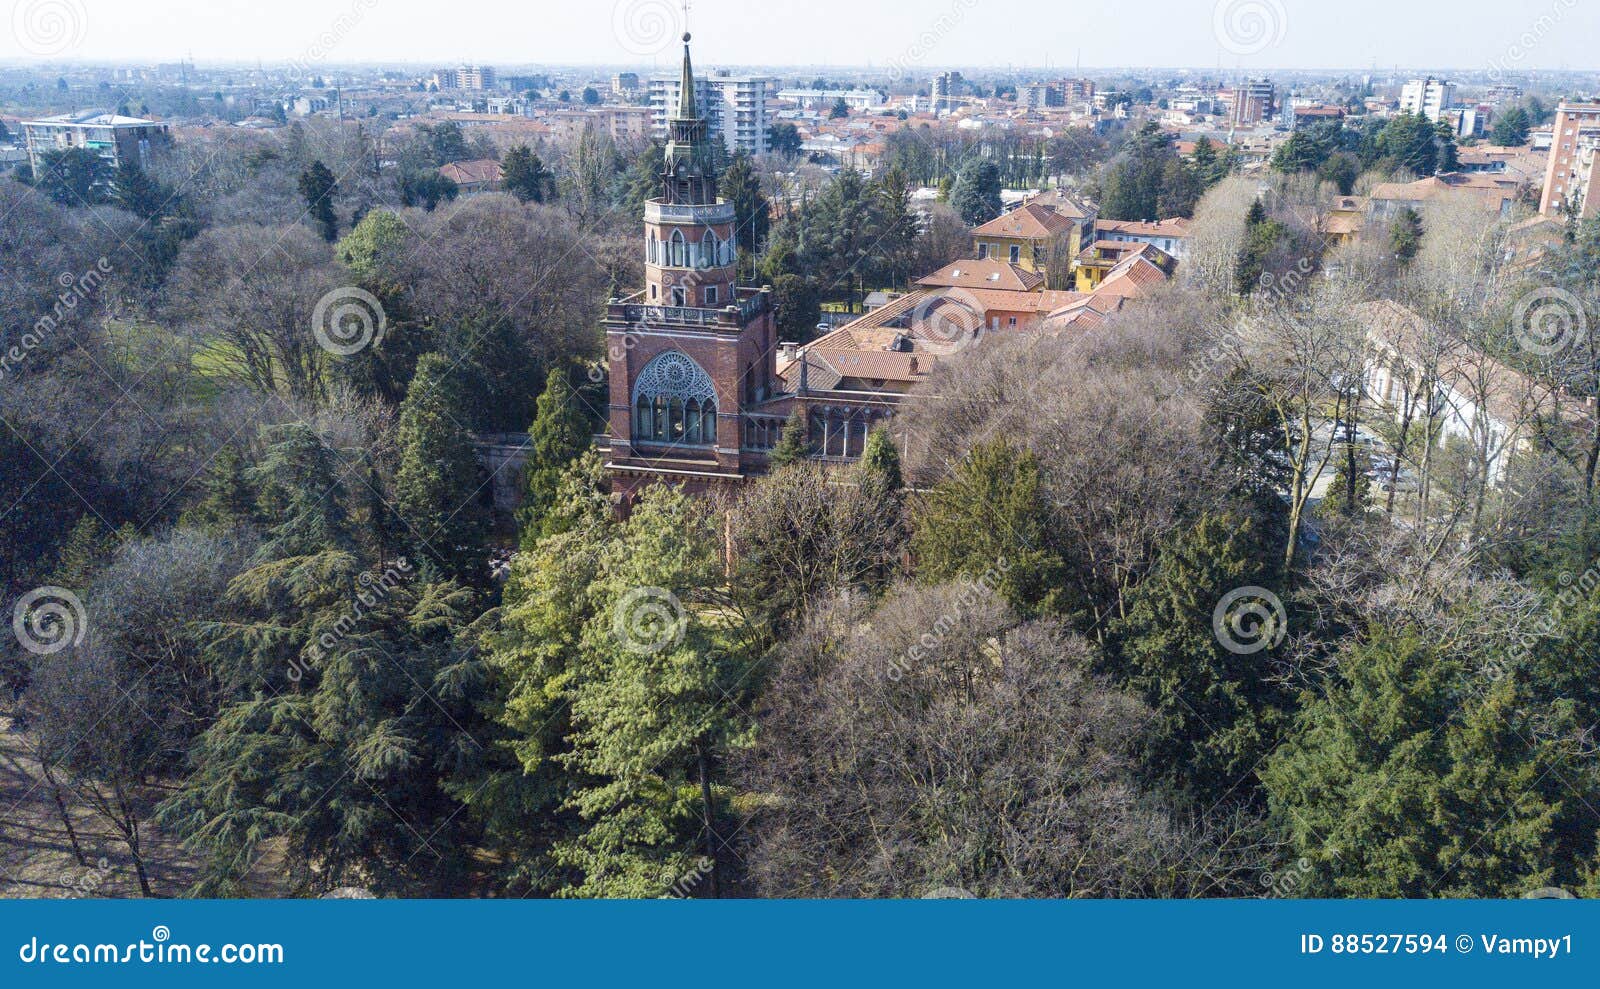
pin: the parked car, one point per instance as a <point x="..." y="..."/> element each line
<point x="1349" y="433"/>
<point x="1405" y="484"/>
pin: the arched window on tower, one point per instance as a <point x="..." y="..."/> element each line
<point x="708" y="250"/>
<point x="675" y="402"/>
<point x="678" y="249"/>
<point x="691" y="421"/>
<point x="642" y="418"/>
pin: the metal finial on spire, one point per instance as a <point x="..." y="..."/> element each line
<point x="687" y="110"/>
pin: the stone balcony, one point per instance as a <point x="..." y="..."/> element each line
<point x="656" y="211"/>
<point x="752" y="304"/>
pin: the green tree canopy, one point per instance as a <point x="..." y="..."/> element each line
<point x="436" y="488"/>
<point x="318" y="187"/>
<point x="561" y="432"/>
<point x="977" y="192"/>
<point x="990" y="518"/>
<point x="523" y="175"/>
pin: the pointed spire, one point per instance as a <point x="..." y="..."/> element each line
<point x="690" y="173"/>
<point x="686" y="103"/>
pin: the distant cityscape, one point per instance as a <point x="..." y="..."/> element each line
<point x="841" y="119"/>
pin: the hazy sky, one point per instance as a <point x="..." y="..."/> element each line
<point x="1514" y="35"/>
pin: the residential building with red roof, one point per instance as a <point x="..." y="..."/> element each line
<point x="471" y="177"/>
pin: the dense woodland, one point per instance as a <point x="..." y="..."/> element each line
<point x="985" y="658"/>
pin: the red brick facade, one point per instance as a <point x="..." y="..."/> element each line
<point x="691" y="349"/>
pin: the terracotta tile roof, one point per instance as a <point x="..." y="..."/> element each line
<point x="1510" y="394"/>
<point x="1175" y="227"/>
<point x="984" y="274"/>
<point x="875" y="364"/>
<point x="1118" y="251"/>
<point x="1342" y="224"/>
<point x="482" y="171"/>
<point x="1131" y="277"/>
<point x="1493" y="190"/>
<point x="858" y="337"/>
<point x="825" y="369"/>
<point x="1086" y="313"/>
<point x="817" y="374"/>
<point x="1000" y="300"/>
<point x="881" y="317"/>
<point x="1031" y="221"/>
<point x="1064" y="203"/>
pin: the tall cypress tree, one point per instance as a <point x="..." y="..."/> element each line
<point x="991" y="517"/>
<point x="518" y="785"/>
<point x="318" y="186"/>
<point x="561" y="431"/>
<point x="227" y="500"/>
<point x="741" y="186"/>
<point x="1216" y="713"/>
<point x="654" y="706"/>
<point x="523" y="175"/>
<point x="1408" y="778"/>
<point x="436" y="486"/>
<point x="880" y="465"/>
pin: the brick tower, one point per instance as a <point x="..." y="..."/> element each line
<point x="692" y="352"/>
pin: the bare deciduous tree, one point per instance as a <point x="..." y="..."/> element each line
<point x="247" y="296"/>
<point x="936" y="744"/>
